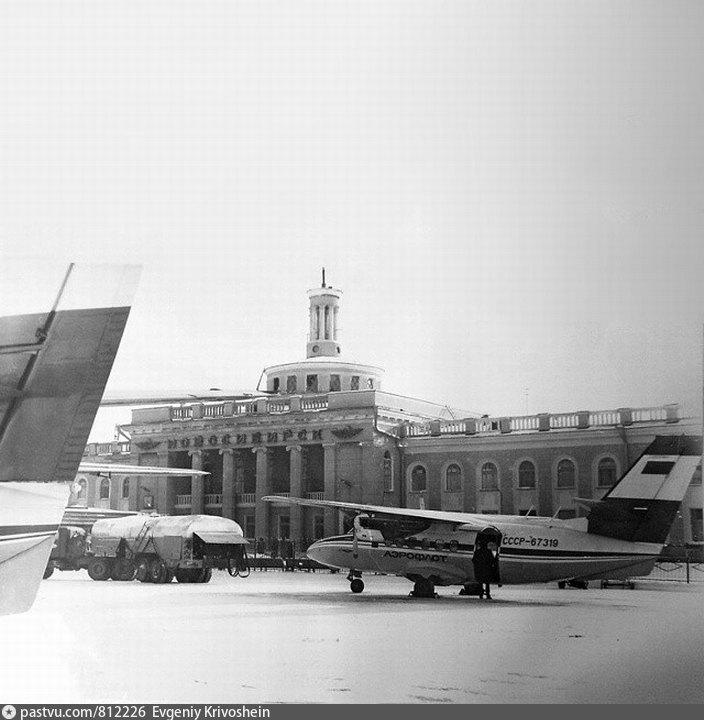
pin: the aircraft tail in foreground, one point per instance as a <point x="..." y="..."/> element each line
<point x="53" y="370"/>
<point x="642" y="506"/>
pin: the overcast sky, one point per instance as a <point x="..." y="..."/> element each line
<point x="509" y="194"/>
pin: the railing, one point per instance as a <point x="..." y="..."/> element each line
<point x="525" y="423"/>
<point x="285" y="494"/>
<point x="181" y="413"/>
<point x="214" y="410"/>
<point x="315" y="495"/>
<point x="245" y="408"/>
<point x="278" y="406"/>
<point x="686" y="571"/>
<point x="183" y="501"/>
<point x="315" y="403"/>
<point x="213" y="499"/>
<point x="247" y="498"/>
<point x="543" y="422"/>
<point x="111" y="448"/>
<point x="564" y="420"/>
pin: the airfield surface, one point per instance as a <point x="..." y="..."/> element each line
<point x="304" y="637"/>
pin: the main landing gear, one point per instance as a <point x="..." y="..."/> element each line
<point x="356" y="582"/>
<point x="423" y="588"/>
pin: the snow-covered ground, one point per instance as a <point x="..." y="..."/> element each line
<point x="304" y="637"/>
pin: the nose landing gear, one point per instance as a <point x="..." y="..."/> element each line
<point x="356" y="582"/>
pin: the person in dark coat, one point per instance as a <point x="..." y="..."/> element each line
<point x="486" y="569"/>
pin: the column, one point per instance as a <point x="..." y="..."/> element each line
<point x="169" y="485"/>
<point x="196" y="483"/>
<point x="261" y="519"/>
<point x="115" y="491"/>
<point x="228" y="483"/>
<point x="296" y="473"/>
<point x="329" y="480"/>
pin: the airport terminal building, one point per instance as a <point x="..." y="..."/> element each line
<point x="325" y="429"/>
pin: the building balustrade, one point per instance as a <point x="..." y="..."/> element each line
<point x="315" y="496"/>
<point x="213" y="499"/>
<point x="210" y="411"/>
<point x="181" y="413"/>
<point x="183" y="500"/>
<point x="469" y="426"/>
<point x="112" y="448"/>
<point x="545" y="421"/>
<point x="246" y="498"/>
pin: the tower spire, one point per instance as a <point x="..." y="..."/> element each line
<point x="323" y="312"/>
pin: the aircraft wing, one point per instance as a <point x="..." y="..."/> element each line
<point x="123" y="469"/>
<point x="136" y="397"/>
<point x="469" y="521"/>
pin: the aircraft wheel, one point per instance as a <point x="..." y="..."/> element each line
<point x="49" y="570"/>
<point x="100" y="569"/>
<point x="357" y="585"/>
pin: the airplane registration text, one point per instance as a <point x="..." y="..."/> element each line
<point x="532" y="541"/>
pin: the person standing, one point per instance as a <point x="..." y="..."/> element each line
<point x="485" y="569"/>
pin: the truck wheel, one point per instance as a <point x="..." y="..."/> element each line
<point x="100" y="569"/>
<point x="184" y="575"/>
<point x="123" y="569"/>
<point x="49" y="571"/>
<point x="206" y="575"/>
<point x="158" y="571"/>
<point x="142" y="573"/>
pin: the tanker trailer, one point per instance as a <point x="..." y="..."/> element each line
<point x="158" y="548"/>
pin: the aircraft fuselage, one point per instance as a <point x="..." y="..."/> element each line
<point x="528" y="554"/>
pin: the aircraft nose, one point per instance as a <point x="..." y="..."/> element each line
<point x="317" y="552"/>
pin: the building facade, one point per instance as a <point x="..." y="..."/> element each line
<point x="325" y="429"/>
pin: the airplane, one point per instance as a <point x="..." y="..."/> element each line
<point x="84" y="517"/>
<point x="54" y="367"/>
<point x="621" y="537"/>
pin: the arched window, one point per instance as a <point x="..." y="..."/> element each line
<point x="453" y="478"/>
<point x="388" y="472"/>
<point x="606" y="472"/>
<point x="104" y="489"/>
<point x="565" y="474"/>
<point x="418" y="479"/>
<point x="526" y="474"/>
<point x="126" y="488"/>
<point x="490" y="476"/>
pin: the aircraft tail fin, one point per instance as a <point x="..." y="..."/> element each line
<point x="53" y="369"/>
<point x="643" y="504"/>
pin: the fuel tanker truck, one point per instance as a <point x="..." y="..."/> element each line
<point x="158" y="548"/>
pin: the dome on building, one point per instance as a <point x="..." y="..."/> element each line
<point x="324" y="369"/>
